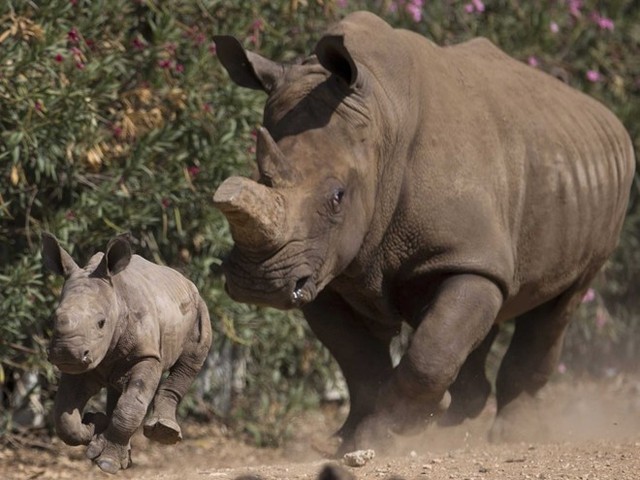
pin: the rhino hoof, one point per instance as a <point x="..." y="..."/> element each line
<point x="163" y="430"/>
<point x="108" y="465"/>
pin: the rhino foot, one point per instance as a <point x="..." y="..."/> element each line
<point x="109" y="457"/>
<point x="520" y="421"/>
<point x="162" y="430"/>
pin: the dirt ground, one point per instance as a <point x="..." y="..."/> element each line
<point x="594" y="433"/>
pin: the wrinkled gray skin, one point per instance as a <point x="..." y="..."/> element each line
<point x="452" y="188"/>
<point x="121" y="322"/>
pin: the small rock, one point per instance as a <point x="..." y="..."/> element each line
<point x="358" y="458"/>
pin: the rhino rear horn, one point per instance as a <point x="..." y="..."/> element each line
<point x="275" y="169"/>
<point x="247" y="69"/>
<point x="55" y="258"/>
<point x="255" y="213"/>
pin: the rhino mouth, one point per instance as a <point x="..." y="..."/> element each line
<point x="250" y="283"/>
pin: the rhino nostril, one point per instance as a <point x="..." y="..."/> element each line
<point x="297" y="290"/>
<point x="86" y="358"/>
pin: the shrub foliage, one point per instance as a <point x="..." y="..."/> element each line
<point x="117" y="117"/>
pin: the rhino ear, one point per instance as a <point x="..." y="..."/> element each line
<point x="247" y="69"/>
<point x="55" y="258"/>
<point x="116" y="256"/>
<point x="335" y="57"/>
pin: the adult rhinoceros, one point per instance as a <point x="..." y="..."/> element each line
<point x="452" y="188"/>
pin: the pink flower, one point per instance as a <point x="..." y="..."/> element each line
<point x="59" y="58"/>
<point x="603" y="22"/>
<point x="117" y="131"/>
<point x="601" y="318"/>
<point x="414" y="8"/>
<point x="474" y="6"/>
<point x="170" y="48"/>
<point x="80" y="65"/>
<point x="593" y="76"/>
<point x="206" y="108"/>
<point x="73" y="35"/>
<point x="38" y="106"/>
<point x="193" y="171"/>
<point x="138" y="43"/>
<point x="478" y="5"/>
<point x="553" y="26"/>
<point x="533" y="61"/>
<point x="574" y="7"/>
<point x="589" y="296"/>
<point x="165" y="63"/>
<point x="341" y="3"/>
<point x="178" y="68"/>
<point x="212" y="48"/>
<point x="562" y="368"/>
<point x="165" y="202"/>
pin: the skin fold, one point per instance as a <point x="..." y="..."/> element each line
<point x="451" y="188"/>
<point x="122" y="322"/>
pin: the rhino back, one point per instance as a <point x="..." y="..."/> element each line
<point x="491" y="167"/>
<point x="162" y="306"/>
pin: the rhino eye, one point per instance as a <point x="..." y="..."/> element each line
<point x="336" y="199"/>
<point x="101" y="323"/>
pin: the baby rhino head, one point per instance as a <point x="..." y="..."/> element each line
<point x="86" y="317"/>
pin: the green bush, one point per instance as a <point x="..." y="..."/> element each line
<point x="117" y="117"/>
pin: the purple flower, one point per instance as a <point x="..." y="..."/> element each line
<point x="553" y="26"/>
<point x="593" y="76"/>
<point x="533" y="61"/>
<point x="38" y="106"/>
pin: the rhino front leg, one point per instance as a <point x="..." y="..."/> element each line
<point x="471" y="388"/>
<point x="74" y="391"/>
<point x="364" y="359"/>
<point x="161" y="426"/>
<point x="110" y="450"/>
<point x="458" y="319"/>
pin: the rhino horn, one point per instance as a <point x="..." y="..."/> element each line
<point x="255" y="213"/>
<point x="275" y="169"/>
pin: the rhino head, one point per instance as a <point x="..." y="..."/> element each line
<point x="86" y="319"/>
<point x="302" y="219"/>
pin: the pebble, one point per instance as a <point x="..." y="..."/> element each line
<point x="359" y="458"/>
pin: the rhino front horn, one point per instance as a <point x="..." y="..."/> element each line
<point x="255" y="212"/>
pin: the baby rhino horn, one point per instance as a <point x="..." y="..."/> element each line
<point x="255" y="213"/>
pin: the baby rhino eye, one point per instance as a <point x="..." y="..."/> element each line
<point x="101" y="323"/>
<point x="336" y="199"/>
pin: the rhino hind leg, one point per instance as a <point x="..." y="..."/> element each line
<point x="161" y="425"/>
<point x="471" y="389"/>
<point x="530" y="360"/>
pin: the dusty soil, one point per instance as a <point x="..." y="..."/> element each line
<point x="594" y="433"/>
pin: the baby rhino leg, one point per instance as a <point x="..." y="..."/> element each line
<point x="161" y="425"/>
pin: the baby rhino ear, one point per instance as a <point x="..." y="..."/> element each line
<point x="116" y="256"/>
<point x="55" y="258"/>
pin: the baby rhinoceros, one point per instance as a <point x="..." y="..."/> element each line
<point x="122" y="322"/>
